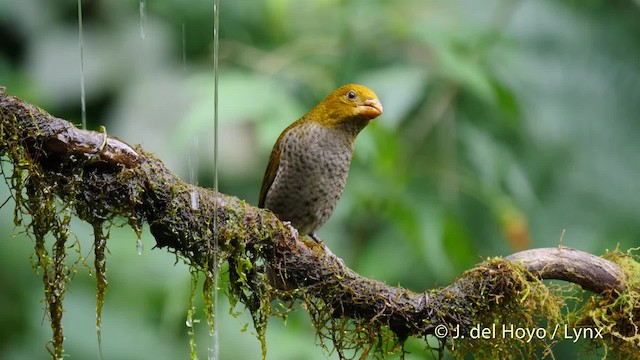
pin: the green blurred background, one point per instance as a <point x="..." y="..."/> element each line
<point x="505" y="122"/>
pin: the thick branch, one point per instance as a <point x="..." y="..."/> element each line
<point x="589" y="271"/>
<point x="117" y="180"/>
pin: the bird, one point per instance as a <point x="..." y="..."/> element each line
<point x="309" y="162"/>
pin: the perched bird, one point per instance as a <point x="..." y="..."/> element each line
<point x="310" y="161"/>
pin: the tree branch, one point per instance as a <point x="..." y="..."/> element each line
<point x="589" y="271"/>
<point x="114" y="179"/>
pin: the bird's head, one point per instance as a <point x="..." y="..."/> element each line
<point x="348" y="105"/>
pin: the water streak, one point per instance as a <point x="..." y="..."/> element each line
<point x="193" y="172"/>
<point x="143" y="17"/>
<point x="215" y="346"/>
<point x="184" y="48"/>
<point x="139" y="246"/>
<point x="83" y="101"/>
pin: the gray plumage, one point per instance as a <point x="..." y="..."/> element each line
<point x="313" y="169"/>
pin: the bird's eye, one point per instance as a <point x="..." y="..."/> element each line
<point x="351" y="95"/>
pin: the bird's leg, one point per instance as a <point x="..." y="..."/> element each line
<point x="315" y="238"/>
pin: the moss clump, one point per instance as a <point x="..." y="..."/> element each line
<point x="617" y="315"/>
<point x="248" y="277"/>
<point x="351" y="338"/>
<point x="505" y="300"/>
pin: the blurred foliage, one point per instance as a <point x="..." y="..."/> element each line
<point x="505" y="122"/>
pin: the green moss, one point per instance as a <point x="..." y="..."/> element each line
<point x="100" y="264"/>
<point x="190" y="314"/>
<point x="248" y="281"/>
<point x="512" y="314"/>
<point x="618" y="315"/>
<point x="46" y="218"/>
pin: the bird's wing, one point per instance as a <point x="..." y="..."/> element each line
<point x="270" y="174"/>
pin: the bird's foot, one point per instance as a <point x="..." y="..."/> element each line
<point x="294" y="232"/>
<point x="326" y="248"/>
<point x="331" y="254"/>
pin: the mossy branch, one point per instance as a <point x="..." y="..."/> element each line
<point x="103" y="177"/>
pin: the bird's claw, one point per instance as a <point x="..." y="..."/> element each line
<point x="294" y="232"/>
<point x="330" y="253"/>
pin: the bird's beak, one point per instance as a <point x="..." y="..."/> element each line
<point x="371" y="108"/>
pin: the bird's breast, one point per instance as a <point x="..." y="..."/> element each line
<point x="313" y="169"/>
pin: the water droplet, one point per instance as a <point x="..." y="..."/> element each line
<point x="139" y="246"/>
<point x="191" y="321"/>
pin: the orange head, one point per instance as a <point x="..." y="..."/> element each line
<point x="348" y="104"/>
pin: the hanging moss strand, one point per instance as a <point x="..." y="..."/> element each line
<point x="100" y="264"/>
